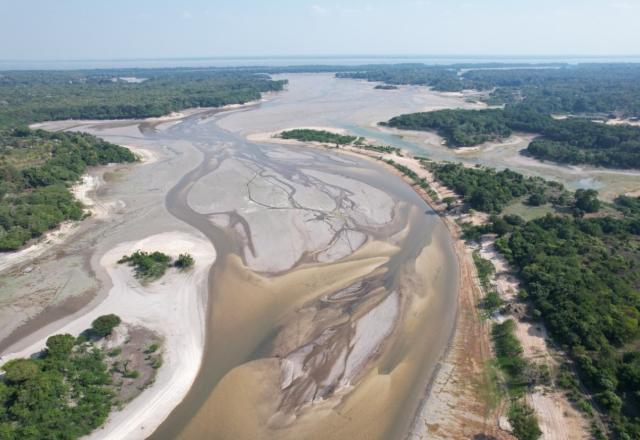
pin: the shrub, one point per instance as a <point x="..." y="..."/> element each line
<point x="524" y="422"/>
<point x="184" y="261"/>
<point x="60" y="345"/>
<point x="104" y="325"/>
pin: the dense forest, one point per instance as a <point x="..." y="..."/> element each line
<point x="573" y="141"/>
<point x="460" y="128"/>
<point x="487" y="190"/>
<point x="32" y="96"/>
<point x="583" y="278"/>
<point x="582" y="89"/>
<point x="64" y="394"/>
<point x="36" y="168"/>
<point x="580" y="270"/>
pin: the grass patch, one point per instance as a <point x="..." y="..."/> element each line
<point x="528" y="212"/>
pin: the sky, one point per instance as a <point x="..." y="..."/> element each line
<point x="118" y="29"/>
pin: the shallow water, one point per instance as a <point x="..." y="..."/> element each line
<point x="252" y="314"/>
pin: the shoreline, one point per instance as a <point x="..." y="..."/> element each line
<point x="184" y="340"/>
<point x="84" y="191"/>
<point x="464" y="349"/>
<point x="453" y="406"/>
<point x="173" y="306"/>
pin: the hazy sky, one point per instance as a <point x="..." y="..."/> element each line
<point x="87" y="29"/>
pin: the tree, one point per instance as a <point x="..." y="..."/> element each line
<point x="184" y="261"/>
<point x="60" y="345"/>
<point x="104" y="325"/>
<point x="449" y="201"/>
<point x="524" y="422"/>
<point x="587" y="200"/>
<point x="536" y="199"/>
<point x="19" y="370"/>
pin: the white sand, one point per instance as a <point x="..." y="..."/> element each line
<point x="273" y="136"/>
<point x="146" y="155"/>
<point x="174" y="307"/>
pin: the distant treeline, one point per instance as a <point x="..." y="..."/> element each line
<point x="36" y="167"/>
<point x="572" y="141"/>
<point x="583" y="89"/>
<point x="32" y="96"/>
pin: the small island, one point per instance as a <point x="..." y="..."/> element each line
<point x="327" y="137"/>
<point x="150" y="266"/>
<point x="386" y="87"/>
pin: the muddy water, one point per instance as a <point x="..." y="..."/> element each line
<point x="332" y="347"/>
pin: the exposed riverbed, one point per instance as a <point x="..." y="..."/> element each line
<point x="334" y="290"/>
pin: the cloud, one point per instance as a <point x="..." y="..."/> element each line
<point x="186" y="15"/>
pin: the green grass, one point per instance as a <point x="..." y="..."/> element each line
<point x="528" y="212"/>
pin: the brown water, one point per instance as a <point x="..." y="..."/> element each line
<point x="400" y="285"/>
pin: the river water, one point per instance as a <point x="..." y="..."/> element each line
<point x="334" y="293"/>
<point x="337" y="338"/>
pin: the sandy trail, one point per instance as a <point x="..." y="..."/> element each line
<point x="173" y="306"/>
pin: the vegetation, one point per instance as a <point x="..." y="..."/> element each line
<point x="36" y="167"/>
<point x="487" y="190"/>
<point x="582" y="276"/>
<point x="524" y="422"/>
<point x="147" y="266"/>
<point x="32" y="96"/>
<point x="104" y="325"/>
<point x="64" y="394"/>
<point x="307" y="135"/>
<point x="572" y="141"/>
<point x="509" y="355"/>
<point x="388" y="149"/>
<point x="628" y="205"/>
<point x="583" y="89"/>
<point x="385" y="87"/>
<point x="484" y="268"/>
<point x="184" y="262"/>
<point x="460" y="128"/>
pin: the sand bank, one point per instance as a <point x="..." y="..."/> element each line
<point x="173" y="306"/>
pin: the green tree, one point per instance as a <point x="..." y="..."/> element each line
<point x="524" y="422"/>
<point x="587" y="200"/>
<point x="60" y="345"/>
<point x="184" y="261"/>
<point x="19" y="370"/>
<point x="104" y="325"/>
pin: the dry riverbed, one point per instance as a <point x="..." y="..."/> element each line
<point x="463" y="399"/>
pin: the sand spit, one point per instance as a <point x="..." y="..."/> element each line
<point x="273" y="136"/>
<point x="174" y="307"/>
